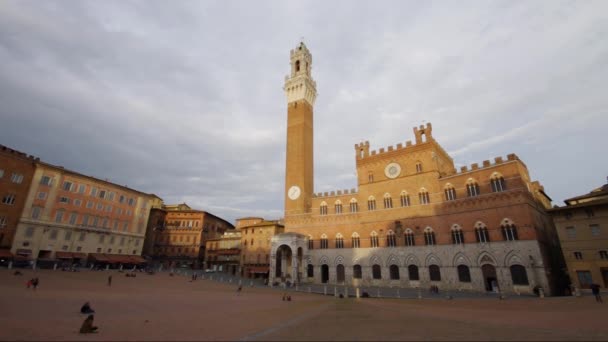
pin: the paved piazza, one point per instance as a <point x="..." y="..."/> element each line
<point x="160" y="307"/>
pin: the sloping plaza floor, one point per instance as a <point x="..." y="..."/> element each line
<point x="163" y="308"/>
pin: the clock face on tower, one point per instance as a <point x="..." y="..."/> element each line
<point x="293" y="192"/>
<point x="392" y="170"/>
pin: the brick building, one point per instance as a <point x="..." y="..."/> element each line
<point x="256" y="235"/>
<point x="72" y="217"/>
<point x="16" y="172"/>
<point x="414" y="220"/>
<point x="582" y="227"/>
<point x="181" y="233"/>
<point x="223" y="254"/>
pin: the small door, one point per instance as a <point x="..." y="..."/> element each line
<point x="324" y="274"/>
<point x="340" y="273"/>
<point x="489" y="277"/>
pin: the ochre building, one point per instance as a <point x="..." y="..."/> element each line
<point x="414" y="220"/>
<point x="256" y="235"/>
<point x="16" y="172"/>
<point x="582" y="225"/>
<point x="71" y="217"/>
<point x="181" y="233"/>
<point x="223" y="254"/>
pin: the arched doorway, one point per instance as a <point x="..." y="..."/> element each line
<point x="324" y="274"/>
<point x="489" y="277"/>
<point x="340" y="273"/>
<point x="283" y="263"/>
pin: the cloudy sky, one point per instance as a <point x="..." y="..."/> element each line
<point x="184" y="98"/>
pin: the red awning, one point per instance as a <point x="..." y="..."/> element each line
<point x="79" y="255"/>
<point x="98" y="257"/>
<point x="63" y="255"/>
<point x="24" y="252"/>
<point x="136" y="259"/>
<point x="258" y="269"/>
<point x="6" y="253"/>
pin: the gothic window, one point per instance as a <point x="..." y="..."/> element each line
<point x="409" y="238"/>
<point x="509" y="232"/>
<point x="323" y="208"/>
<point x="374" y="239"/>
<point x="376" y="272"/>
<point x="423" y="196"/>
<point x="405" y="199"/>
<point x="324" y="242"/>
<point x="418" y="167"/>
<point x="457" y="235"/>
<point x="498" y="183"/>
<point x="450" y="193"/>
<point x="371" y="203"/>
<point x="519" y="275"/>
<point x="435" y="273"/>
<point x="388" y="201"/>
<point x="357" y="273"/>
<point x="391" y="240"/>
<point x="394" y="272"/>
<point x="412" y="272"/>
<point x="339" y="241"/>
<point x="472" y="188"/>
<point x="353" y="205"/>
<point x="310" y="271"/>
<point x="429" y="236"/>
<point x="297" y="66"/>
<point x="481" y="233"/>
<point x="355" y="240"/>
<point x="370" y="177"/>
<point x="464" y="274"/>
<point x="310" y="242"/>
<point x="338" y="207"/>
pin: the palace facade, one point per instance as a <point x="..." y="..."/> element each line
<point x="414" y="220"/>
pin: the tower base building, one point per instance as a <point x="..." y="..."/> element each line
<point x="414" y="221"/>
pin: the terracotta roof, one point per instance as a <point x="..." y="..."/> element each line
<point x="598" y="192"/>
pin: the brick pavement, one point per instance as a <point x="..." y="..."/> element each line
<point x="159" y="307"/>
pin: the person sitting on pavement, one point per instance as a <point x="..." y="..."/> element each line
<point x="87" y="326"/>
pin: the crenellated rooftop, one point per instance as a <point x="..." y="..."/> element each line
<point x="486" y="164"/>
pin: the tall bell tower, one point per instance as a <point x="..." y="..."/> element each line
<point x="301" y="92"/>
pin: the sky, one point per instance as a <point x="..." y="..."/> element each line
<point x="184" y="99"/>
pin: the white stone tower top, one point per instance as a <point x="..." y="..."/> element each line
<point x="299" y="85"/>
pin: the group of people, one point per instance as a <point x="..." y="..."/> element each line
<point x="87" y="326"/>
<point x="434" y="289"/>
<point x="286" y="297"/>
<point x="32" y="283"/>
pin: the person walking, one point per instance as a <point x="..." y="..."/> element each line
<point x="239" y="289"/>
<point x="110" y="280"/>
<point x="35" y="283"/>
<point x="595" y="289"/>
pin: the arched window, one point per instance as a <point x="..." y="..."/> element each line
<point x="311" y="242"/>
<point x="297" y="66"/>
<point x="423" y="196"/>
<point x="324" y="243"/>
<point x="450" y="192"/>
<point x="519" y="275"/>
<point x="354" y="207"/>
<point x="338" y="207"/>
<point x="457" y="235"/>
<point x="418" y="167"/>
<point x="310" y="271"/>
<point x="409" y="238"/>
<point x="323" y="208"/>
<point x="509" y="231"/>
<point x="391" y="240"/>
<point x="355" y="240"/>
<point x="429" y="236"/>
<point x="412" y="272"/>
<point x="357" y="274"/>
<point x="481" y="233"/>
<point x="472" y="188"/>
<point x="339" y="241"/>
<point x="405" y="199"/>
<point x="497" y="182"/>
<point x="434" y="273"/>
<point x="394" y="272"/>
<point x="371" y="203"/>
<point x="376" y="272"/>
<point x="388" y="201"/>
<point x="464" y="275"/>
<point x="373" y="239"/>
<point x="370" y="176"/>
